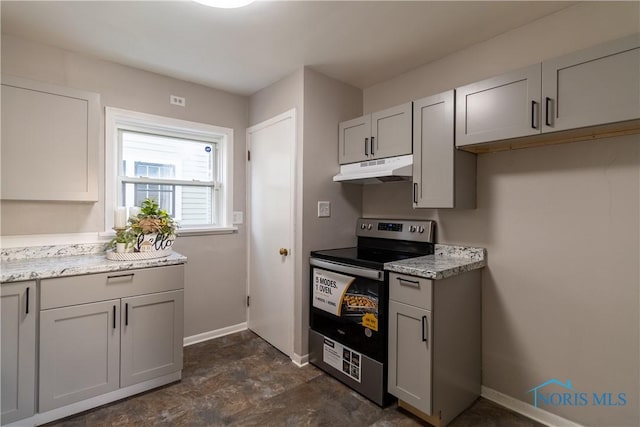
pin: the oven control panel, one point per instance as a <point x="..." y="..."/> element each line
<point x="413" y="230"/>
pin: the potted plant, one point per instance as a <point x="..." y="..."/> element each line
<point x="153" y="227"/>
<point x="124" y="241"/>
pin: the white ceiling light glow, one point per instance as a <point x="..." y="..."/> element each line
<point x="225" y="4"/>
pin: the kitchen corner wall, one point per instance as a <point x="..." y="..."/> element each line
<point x="320" y="103"/>
<point x="561" y="225"/>
<point x="215" y="274"/>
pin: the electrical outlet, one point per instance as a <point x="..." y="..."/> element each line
<point x="177" y="100"/>
<point x="324" y="209"/>
<point x="238" y="217"/>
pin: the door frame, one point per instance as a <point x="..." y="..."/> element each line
<point x="292" y="244"/>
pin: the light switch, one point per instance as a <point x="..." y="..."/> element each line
<point x="238" y="217"/>
<point x="324" y="209"/>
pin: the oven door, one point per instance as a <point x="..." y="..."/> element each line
<point x="349" y="305"/>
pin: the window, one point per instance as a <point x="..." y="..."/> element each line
<point x="184" y="166"/>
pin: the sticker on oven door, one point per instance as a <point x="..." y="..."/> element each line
<point x="329" y="289"/>
<point x="342" y="358"/>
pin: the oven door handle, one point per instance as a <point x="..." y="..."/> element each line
<point x="347" y="269"/>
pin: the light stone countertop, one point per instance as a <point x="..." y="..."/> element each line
<point x="48" y="261"/>
<point x="447" y="261"/>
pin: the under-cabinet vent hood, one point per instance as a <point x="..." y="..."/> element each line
<point x="391" y="169"/>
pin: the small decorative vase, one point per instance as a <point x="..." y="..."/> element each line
<point x="121" y="248"/>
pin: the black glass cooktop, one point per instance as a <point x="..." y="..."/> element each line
<point x="371" y="258"/>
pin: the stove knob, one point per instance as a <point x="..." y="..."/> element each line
<point x="412" y="228"/>
<point x="363" y="226"/>
<point x="368" y="226"/>
<point x="420" y="229"/>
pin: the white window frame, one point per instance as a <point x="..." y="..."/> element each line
<point x="117" y="119"/>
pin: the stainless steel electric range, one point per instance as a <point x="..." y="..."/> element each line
<point x="349" y="302"/>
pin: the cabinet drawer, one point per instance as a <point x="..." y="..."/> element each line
<point x="411" y="290"/>
<point x="65" y="291"/>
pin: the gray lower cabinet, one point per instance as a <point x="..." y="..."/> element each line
<point x="151" y="337"/>
<point x="18" y="350"/>
<point x="385" y="133"/>
<point x="435" y="344"/>
<point x="79" y="353"/>
<point x="443" y="177"/>
<point x="132" y="334"/>
<point x="411" y="348"/>
<point x="591" y="87"/>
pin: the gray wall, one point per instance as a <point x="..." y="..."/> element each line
<point x="561" y="225"/>
<point x="326" y="102"/>
<point x="320" y="103"/>
<point x="215" y="273"/>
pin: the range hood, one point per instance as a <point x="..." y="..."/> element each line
<point x="391" y="169"/>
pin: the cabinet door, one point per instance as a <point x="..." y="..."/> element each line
<point x="391" y="131"/>
<point x="50" y="138"/>
<point x="410" y="345"/>
<point x="79" y="353"/>
<point x="593" y="86"/>
<point x="18" y="347"/>
<point x="354" y="140"/>
<point x="506" y="106"/>
<point x="433" y="156"/>
<point x="152" y="336"/>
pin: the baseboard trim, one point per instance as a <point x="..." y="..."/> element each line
<point x="300" y="361"/>
<point x="206" y="336"/>
<point x="526" y="409"/>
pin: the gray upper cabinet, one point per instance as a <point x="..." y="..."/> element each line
<point x="50" y="140"/>
<point x="502" y="107"/>
<point x="443" y="177"/>
<point x="18" y="347"/>
<point x="391" y="132"/>
<point x="354" y="140"/>
<point x="382" y="134"/>
<point x="593" y="86"/>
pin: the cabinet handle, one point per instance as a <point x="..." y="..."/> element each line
<point x="547" y="107"/>
<point x="117" y="276"/>
<point x="410" y="283"/>
<point x="415" y="192"/>
<point x="366" y="146"/>
<point x="114" y="317"/>
<point x="372" y="139"/>
<point x="424" y="328"/>
<point x="26" y="311"/>
<point x="533" y="114"/>
<point x="126" y="314"/>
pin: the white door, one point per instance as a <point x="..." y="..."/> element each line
<point x="271" y="171"/>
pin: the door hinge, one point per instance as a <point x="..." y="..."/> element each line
<point x="248" y="156"/>
<point x="247" y="300"/>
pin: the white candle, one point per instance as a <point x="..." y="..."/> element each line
<point x="134" y="211"/>
<point x="120" y="217"/>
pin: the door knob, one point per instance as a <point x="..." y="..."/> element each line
<point x="284" y="252"/>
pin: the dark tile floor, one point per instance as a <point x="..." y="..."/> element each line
<point x="240" y="380"/>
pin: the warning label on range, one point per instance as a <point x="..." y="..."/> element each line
<point x="342" y="358"/>
<point x="329" y="289"/>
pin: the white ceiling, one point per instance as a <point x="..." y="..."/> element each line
<point x="244" y="50"/>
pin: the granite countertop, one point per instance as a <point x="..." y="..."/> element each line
<point x="45" y="262"/>
<point x="446" y="261"/>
